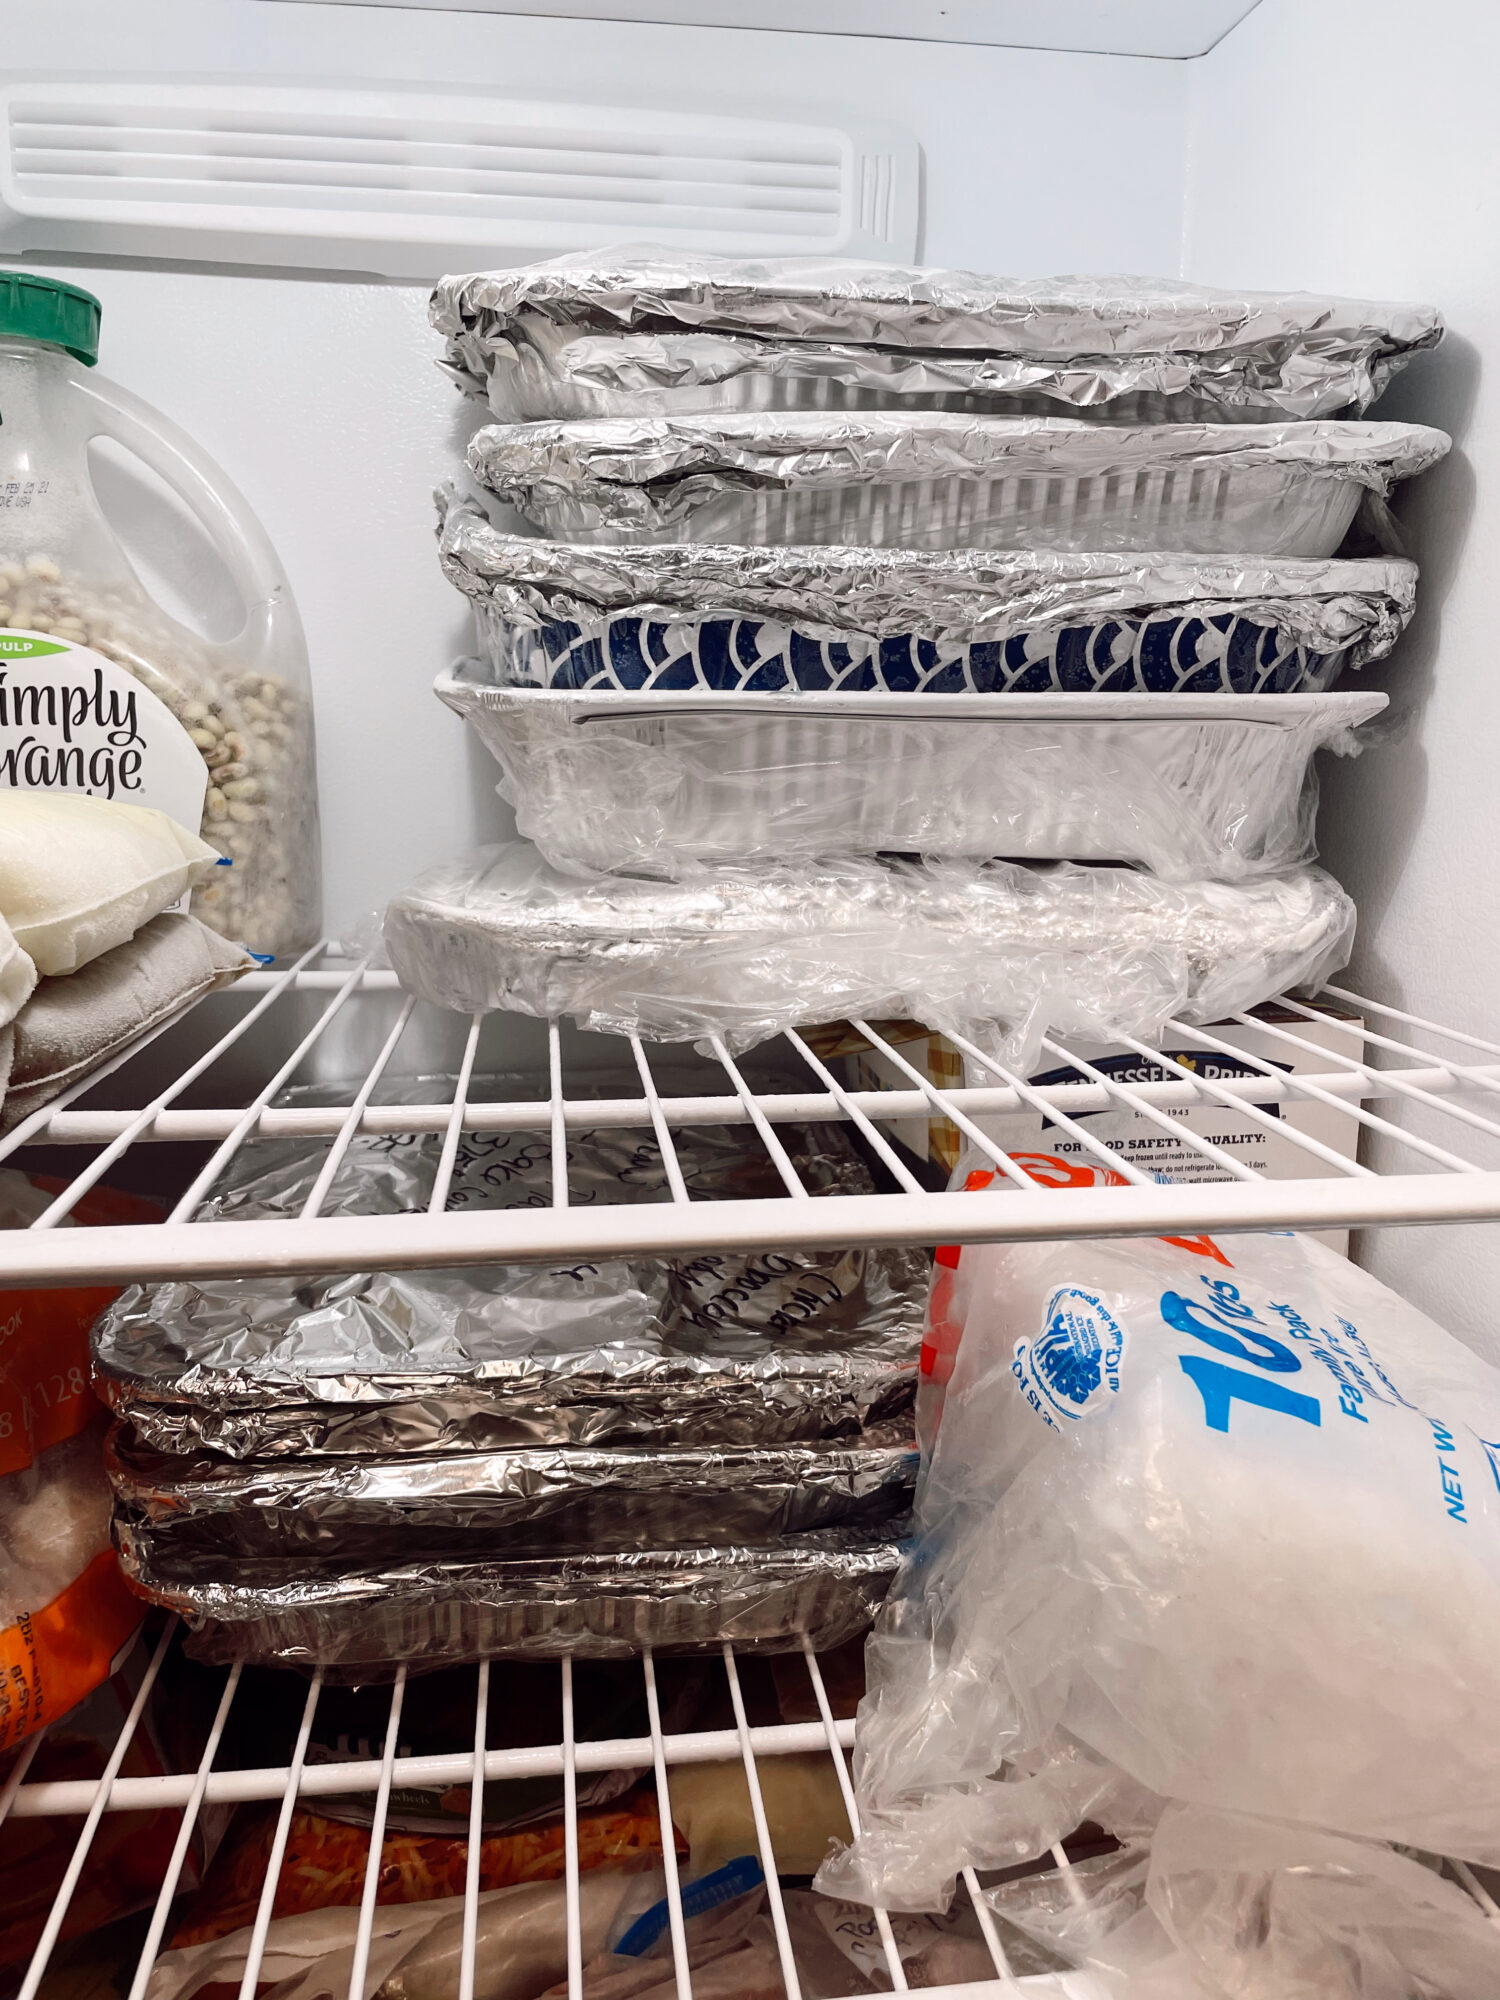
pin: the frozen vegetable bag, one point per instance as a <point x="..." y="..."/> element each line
<point x="1216" y="1520"/>
<point x="101" y="691"/>
<point x="65" y="1613"/>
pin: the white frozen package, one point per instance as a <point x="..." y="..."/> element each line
<point x="1217" y="1520"/>
<point x="991" y="951"/>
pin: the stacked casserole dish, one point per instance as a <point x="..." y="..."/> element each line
<point x="386" y="1469"/>
<point x="785" y="566"/>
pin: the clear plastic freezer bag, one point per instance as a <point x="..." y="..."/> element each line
<point x="943" y="481"/>
<point x="1213" y="1521"/>
<point x="1223" y="1907"/>
<point x="1189" y="786"/>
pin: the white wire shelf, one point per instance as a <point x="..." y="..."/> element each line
<point x="299" y="1781"/>
<point x="1443" y="1167"/>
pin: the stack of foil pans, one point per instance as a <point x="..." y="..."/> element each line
<point x="440" y="1443"/>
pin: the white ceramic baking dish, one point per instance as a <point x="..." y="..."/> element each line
<point x="1216" y="785"/>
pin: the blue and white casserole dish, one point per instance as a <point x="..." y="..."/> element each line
<point x="726" y="620"/>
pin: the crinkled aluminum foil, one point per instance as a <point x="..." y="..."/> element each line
<point x="539" y="369"/>
<point x="671" y="475"/>
<point x="803" y="298"/>
<point x="950" y="597"/>
<point x="745" y="952"/>
<point x="192" y="1515"/>
<point x="362" y="1626"/>
<point x="1083" y="341"/>
<point x="727" y="1348"/>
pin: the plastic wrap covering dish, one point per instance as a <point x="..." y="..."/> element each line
<point x="950" y="482"/>
<point x="189" y="1516"/>
<point x="996" y="952"/>
<point x="710" y="617"/>
<point x="818" y="1589"/>
<point x="639" y="330"/>
<point x="722" y="1348"/>
<point x="1217" y="785"/>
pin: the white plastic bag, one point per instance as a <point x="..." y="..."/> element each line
<point x="80" y="875"/>
<point x="1227" y="1908"/>
<point x="1217" y="1520"/>
<point x="521" y="1944"/>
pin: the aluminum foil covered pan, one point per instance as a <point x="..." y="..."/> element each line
<point x="691" y="616"/>
<point x="360" y="1626"/>
<point x="996" y="953"/>
<point x="947" y="482"/>
<point x="721" y="1348"/>
<point x="195" y="1516"/>
<point x="641" y="329"/>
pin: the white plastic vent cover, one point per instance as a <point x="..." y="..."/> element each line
<point x="407" y="184"/>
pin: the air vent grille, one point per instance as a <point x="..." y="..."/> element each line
<point x="409" y="182"/>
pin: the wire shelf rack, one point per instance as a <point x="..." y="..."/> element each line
<point x="1441" y="1165"/>
<point x="214" y="1079"/>
<point x="300" y="1782"/>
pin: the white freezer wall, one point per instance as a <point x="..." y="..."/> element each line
<point x="321" y="400"/>
<point x="1352" y="145"/>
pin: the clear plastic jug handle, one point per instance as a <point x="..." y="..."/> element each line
<point x="272" y="635"/>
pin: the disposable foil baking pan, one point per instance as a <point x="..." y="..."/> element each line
<point x="937" y="481"/>
<point x="198" y="1516"/>
<point x="721" y="1348"/>
<point x="986" y="951"/>
<point x="1191" y="786"/>
<point x="361" y="1626"/>
<point x="626" y="331"/>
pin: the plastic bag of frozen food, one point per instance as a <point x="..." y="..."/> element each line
<point x="948" y="1286"/>
<point x="130" y="1850"/>
<point x="325" y="1863"/>
<point x="521" y="1941"/>
<point x="65" y="1614"/>
<point x="1226" y="1908"/>
<point x="414" y="1948"/>
<point x="1219" y="1520"/>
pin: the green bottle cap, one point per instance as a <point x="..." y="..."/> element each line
<point x="37" y="308"/>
